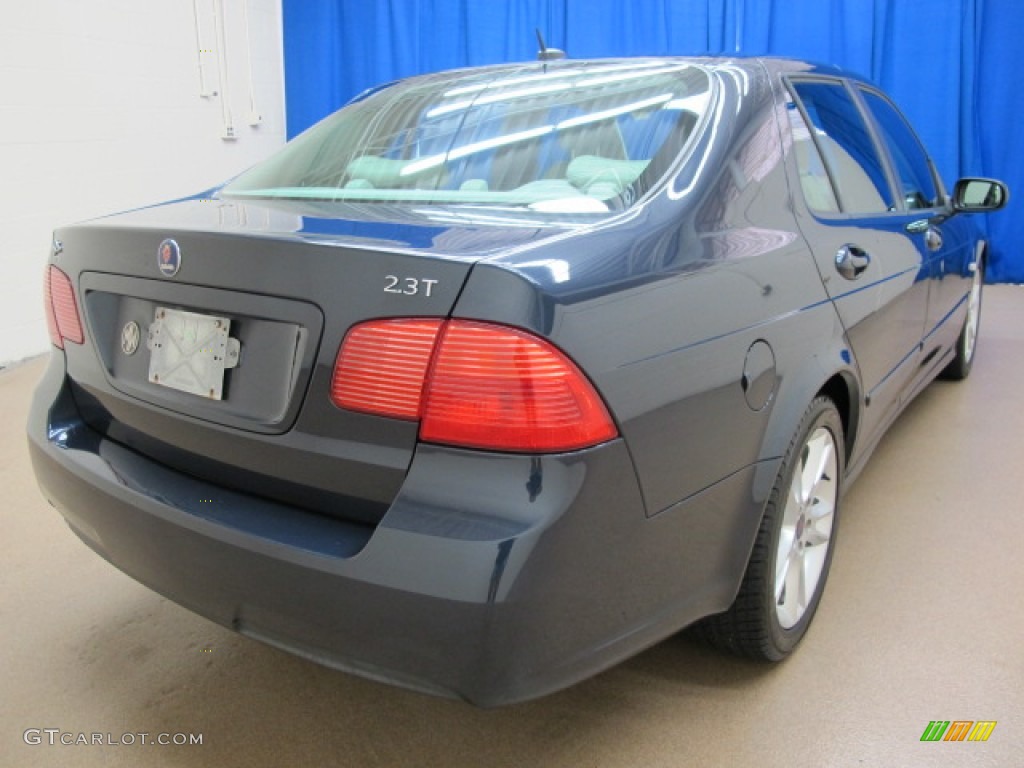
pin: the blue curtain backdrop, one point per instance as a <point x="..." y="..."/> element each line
<point x="950" y="64"/>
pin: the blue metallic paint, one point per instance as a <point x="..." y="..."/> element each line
<point x="492" y="607"/>
<point x="487" y="576"/>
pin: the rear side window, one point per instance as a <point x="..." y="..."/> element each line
<point x="814" y="178"/>
<point x="845" y="144"/>
<point x="917" y="184"/>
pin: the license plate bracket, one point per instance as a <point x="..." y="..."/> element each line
<point x="190" y="352"/>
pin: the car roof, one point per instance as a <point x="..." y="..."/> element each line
<point x="755" y="65"/>
<point x="777" y="63"/>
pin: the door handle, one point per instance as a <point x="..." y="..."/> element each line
<point x="851" y="261"/>
<point x="932" y="239"/>
<point x="932" y="236"/>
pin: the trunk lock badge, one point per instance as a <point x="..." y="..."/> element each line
<point x="130" y="336"/>
<point x="168" y="258"/>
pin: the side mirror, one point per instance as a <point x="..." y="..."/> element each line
<point x="979" y="196"/>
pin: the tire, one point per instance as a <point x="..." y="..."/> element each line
<point x="775" y="606"/>
<point x="959" y="367"/>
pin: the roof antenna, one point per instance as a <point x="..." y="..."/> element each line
<point x="546" y="54"/>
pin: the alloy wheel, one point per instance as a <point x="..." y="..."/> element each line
<point x="973" y="316"/>
<point x="806" y="527"/>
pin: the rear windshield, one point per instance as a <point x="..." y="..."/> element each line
<point x="577" y="138"/>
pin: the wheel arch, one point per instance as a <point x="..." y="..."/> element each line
<point x="842" y="389"/>
<point x="837" y="382"/>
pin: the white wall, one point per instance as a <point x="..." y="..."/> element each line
<point x="100" y="111"/>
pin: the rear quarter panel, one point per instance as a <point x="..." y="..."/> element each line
<point x="660" y="306"/>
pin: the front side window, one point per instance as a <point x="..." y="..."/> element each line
<point x="917" y="184"/>
<point x="846" y="146"/>
<point x="574" y="138"/>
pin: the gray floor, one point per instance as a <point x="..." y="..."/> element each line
<point x="923" y="620"/>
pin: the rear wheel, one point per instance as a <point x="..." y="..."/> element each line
<point x="793" y="550"/>
<point x="959" y="367"/>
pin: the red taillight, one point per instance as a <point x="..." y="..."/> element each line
<point x="382" y="365"/>
<point x="470" y="384"/>
<point x="505" y="389"/>
<point x="61" y="309"/>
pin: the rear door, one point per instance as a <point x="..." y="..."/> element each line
<point x="872" y="267"/>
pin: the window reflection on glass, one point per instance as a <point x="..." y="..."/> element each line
<point x="814" y="180"/>
<point x="580" y="138"/>
<point x="917" y="184"/>
<point x="847" y="148"/>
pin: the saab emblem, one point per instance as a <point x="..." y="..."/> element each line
<point x="168" y="258"/>
<point x="130" y="335"/>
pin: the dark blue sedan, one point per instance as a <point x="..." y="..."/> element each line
<point x="496" y="377"/>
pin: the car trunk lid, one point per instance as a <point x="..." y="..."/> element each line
<point x="277" y="291"/>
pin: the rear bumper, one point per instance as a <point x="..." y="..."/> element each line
<point x="491" y="578"/>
